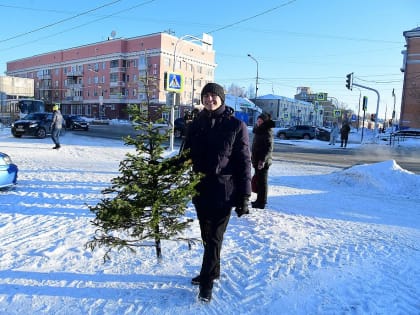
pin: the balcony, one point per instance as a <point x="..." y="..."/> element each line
<point x="74" y="98"/>
<point x="116" y="96"/>
<point x="76" y="73"/>
<point x="44" y="77"/>
<point x="117" y="69"/>
<point x="75" y="86"/>
<point x="117" y="84"/>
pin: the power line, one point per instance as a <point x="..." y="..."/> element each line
<point x="81" y="25"/>
<point x="59" y="22"/>
<point x="252" y="17"/>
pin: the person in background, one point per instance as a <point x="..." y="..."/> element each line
<point x="56" y="125"/>
<point x="333" y="133"/>
<point x="218" y="145"/>
<point x="262" y="147"/>
<point x="345" y="130"/>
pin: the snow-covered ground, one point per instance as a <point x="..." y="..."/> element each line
<point x="331" y="241"/>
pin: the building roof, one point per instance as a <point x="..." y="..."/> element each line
<point x="415" y="32"/>
<point x="279" y="97"/>
<point x="236" y="102"/>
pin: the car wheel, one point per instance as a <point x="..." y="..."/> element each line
<point x="306" y="137"/>
<point x="41" y="133"/>
<point x="282" y="136"/>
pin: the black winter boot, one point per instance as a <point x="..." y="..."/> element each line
<point x="205" y="292"/>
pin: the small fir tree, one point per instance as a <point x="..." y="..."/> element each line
<point x="148" y="200"/>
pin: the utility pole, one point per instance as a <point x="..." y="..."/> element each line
<point x="256" y="81"/>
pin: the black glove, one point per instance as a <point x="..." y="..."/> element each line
<point x="242" y="206"/>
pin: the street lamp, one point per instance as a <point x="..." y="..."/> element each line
<point x="393" y="111"/>
<point x="193" y="38"/>
<point x="256" y="81"/>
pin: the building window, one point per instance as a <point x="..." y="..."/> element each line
<point x="114" y="63"/>
<point x="113" y="77"/>
<point x="167" y="61"/>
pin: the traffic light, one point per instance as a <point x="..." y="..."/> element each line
<point x="365" y="103"/>
<point x="349" y="81"/>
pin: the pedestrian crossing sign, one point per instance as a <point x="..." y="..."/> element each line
<point x="337" y="113"/>
<point x="174" y="82"/>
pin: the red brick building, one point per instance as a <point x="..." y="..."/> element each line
<point x="410" y="104"/>
<point x="100" y="79"/>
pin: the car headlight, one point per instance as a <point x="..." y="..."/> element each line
<point x="33" y="125"/>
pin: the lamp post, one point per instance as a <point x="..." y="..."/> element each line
<point x="256" y="81"/>
<point x="393" y="111"/>
<point x="193" y="38"/>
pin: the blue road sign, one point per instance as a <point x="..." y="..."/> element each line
<point x="174" y="82"/>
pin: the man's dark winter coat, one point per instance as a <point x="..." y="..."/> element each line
<point x="218" y="144"/>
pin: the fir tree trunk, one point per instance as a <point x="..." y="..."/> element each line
<point x="157" y="244"/>
<point x="158" y="248"/>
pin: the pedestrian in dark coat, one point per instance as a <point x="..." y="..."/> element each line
<point x="218" y="145"/>
<point x="344" y="131"/>
<point x="262" y="147"/>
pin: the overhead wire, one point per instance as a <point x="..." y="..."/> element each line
<point x="81" y="25"/>
<point x="59" y="22"/>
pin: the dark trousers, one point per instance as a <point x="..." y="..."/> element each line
<point x="344" y="139"/>
<point x="55" y="135"/>
<point x="262" y="185"/>
<point x="212" y="231"/>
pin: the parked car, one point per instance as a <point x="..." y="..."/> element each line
<point x="179" y="127"/>
<point x="323" y="133"/>
<point x="34" y="124"/>
<point x="74" y="122"/>
<point x="297" y="132"/>
<point x="8" y="171"/>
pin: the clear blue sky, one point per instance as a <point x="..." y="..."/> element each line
<point x="311" y="43"/>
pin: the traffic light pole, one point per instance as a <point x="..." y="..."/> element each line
<point x="377" y="104"/>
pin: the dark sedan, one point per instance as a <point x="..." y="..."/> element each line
<point x="34" y="124"/>
<point x="179" y="127"/>
<point x="323" y="134"/>
<point x="74" y="122"/>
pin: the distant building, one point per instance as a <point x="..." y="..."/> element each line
<point x="12" y="89"/>
<point x="290" y="112"/>
<point x="322" y="99"/>
<point x="101" y="79"/>
<point x="410" y="103"/>
<point x="244" y="108"/>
